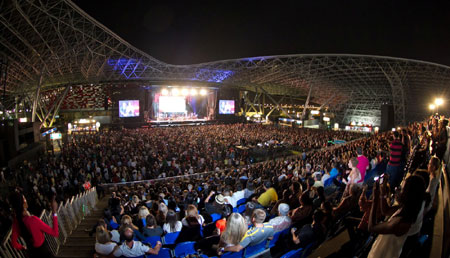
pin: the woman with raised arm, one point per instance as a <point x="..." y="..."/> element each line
<point x="31" y="228"/>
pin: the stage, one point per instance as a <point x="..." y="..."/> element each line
<point x="178" y="122"/>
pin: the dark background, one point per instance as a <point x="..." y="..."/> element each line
<point x="188" y="32"/>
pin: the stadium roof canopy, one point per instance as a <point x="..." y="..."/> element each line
<point x="52" y="44"/>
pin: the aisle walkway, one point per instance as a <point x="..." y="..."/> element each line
<point x="79" y="243"/>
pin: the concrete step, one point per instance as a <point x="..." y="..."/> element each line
<point x="76" y="252"/>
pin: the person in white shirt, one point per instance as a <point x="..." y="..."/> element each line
<point x="172" y="223"/>
<point x="131" y="248"/>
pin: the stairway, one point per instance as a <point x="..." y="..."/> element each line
<point x="79" y="243"/>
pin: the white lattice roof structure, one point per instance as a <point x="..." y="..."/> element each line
<point x="50" y="45"/>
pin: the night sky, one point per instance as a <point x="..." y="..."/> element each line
<point x="188" y="32"/>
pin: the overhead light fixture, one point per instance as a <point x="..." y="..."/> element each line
<point x="184" y="92"/>
<point x="203" y="92"/>
<point x="165" y="92"/>
<point x="194" y="92"/>
<point x="175" y="92"/>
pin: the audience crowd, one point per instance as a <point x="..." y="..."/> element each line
<point x="381" y="185"/>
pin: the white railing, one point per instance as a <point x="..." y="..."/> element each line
<point x="70" y="216"/>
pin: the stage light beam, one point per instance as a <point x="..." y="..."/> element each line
<point x="203" y="92"/>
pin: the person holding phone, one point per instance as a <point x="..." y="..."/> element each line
<point x="31" y="228"/>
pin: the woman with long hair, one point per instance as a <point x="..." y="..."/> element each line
<point x="31" y="228"/>
<point x="128" y="221"/>
<point x="235" y="230"/>
<point x="172" y="223"/>
<point x="393" y="232"/>
<point x="192" y="212"/>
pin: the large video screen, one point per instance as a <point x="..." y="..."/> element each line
<point x="172" y="104"/>
<point x="226" y="107"/>
<point x="128" y="108"/>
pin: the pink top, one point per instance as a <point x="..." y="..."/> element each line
<point x="37" y="228"/>
<point x="363" y="163"/>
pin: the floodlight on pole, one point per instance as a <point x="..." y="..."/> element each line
<point x="438" y="101"/>
<point x="432" y="106"/>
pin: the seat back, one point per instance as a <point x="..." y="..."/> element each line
<point x="241" y="201"/>
<point x="308" y="250"/>
<point x="163" y="253"/>
<point x="241" y="208"/>
<point x="293" y="254"/>
<point x="169" y="238"/>
<point x="215" y="217"/>
<point x="255" y="249"/>
<point x="184" y="249"/>
<point x="239" y="254"/>
<point x="152" y="240"/>
<point x="275" y="238"/>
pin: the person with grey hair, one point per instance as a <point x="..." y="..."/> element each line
<point x="258" y="233"/>
<point x="282" y="221"/>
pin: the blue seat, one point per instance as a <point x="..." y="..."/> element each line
<point x="255" y="249"/>
<point x="293" y="254"/>
<point x="215" y="217"/>
<point x="152" y="240"/>
<point x="239" y="254"/>
<point x="113" y="224"/>
<point x="163" y="253"/>
<point x="184" y="249"/>
<point x="275" y="238"/>
<point x="241" y="201"/>
<point x="308" y="250"/>
<point x="235" y="210"/>
<point x="241" y="208"/>
<point x="169" y="238"/>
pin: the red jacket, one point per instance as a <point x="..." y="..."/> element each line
<point x="37" y="228"/>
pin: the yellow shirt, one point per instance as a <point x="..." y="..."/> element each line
<point x="267" y="197"/>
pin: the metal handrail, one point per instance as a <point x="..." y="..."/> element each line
<point x="70" y="216"/>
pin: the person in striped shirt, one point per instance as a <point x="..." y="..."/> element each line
<point x="394" y="168"/>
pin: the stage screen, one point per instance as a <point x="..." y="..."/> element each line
<point x="226" y="107"/>
<point x="128" y="108"/>
<point x="172" y="104"/>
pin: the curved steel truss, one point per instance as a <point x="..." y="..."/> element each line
<point x="52" y="45"/>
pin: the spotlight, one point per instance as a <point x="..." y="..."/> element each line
<point x="439" y="101"/>
<point x="203" y="92"/>
<point x="175" y="92"/>
<point x="193" y="92"/>
<point x="184" y="92"/>
<point x="165" y="92"/>
<point x="432" y="106"/>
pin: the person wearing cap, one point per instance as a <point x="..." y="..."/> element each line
<point x="269" y="196"/>
<point x="216" y="206"/>
<point x="282" y="221"/>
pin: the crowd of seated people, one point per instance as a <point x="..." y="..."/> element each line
<point x="290" y="195"/>
<point x="309" y="195"/>
<point x="130" y="155"/>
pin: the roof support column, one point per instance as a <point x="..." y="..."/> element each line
<point x="36" y="99"/>
<point x="274" y="101"/>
